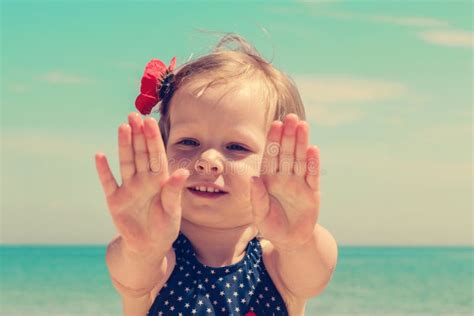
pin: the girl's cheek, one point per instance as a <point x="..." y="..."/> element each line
<point x="244" y="168"/>
<point x="179" y="160"/>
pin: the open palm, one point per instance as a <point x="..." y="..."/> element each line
<point x="286" y="197"/>
<point x="146" y="207"/>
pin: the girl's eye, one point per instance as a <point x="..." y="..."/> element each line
<point x="190" y="142"/>
<point x="187" y="140"/>
<point x="240" y="147"/>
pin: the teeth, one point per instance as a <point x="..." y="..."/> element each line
<point x="205" y="189"/>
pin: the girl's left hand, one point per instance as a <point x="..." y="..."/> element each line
<point x="286" y="197"/>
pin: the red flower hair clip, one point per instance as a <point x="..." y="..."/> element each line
<point x="157" y="82"/>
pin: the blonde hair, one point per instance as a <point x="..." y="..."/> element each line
<point x="224" y="65"/>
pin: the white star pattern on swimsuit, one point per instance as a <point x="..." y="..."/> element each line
<point x="196" y="289"/>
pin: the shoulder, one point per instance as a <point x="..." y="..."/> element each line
<point x="294" y="304"/>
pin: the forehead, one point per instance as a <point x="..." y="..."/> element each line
<point x="238" y="106"/>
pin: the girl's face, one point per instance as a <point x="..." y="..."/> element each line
<point x="220" y="138"/>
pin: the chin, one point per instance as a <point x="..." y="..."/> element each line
<point x="209" y="217"/>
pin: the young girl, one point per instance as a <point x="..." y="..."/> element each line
<point x="218" y="207"/>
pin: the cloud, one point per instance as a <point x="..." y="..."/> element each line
<point x="344" y="88"/>
<point x="400" y="161"/>
<point x="43" y="143"/>
<point x="324" y="114"/>
<point x="54" y="77"/>
<point x="416" y="21"/>
<point x="445" y="133"/>
<point x="448" y="38"/>
<point x="410" y="21"/>
<point x="17" y="88"/>
<point x="329" y="100"/>
<point x="59" y="77"/>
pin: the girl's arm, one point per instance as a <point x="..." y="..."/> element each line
<point x="137" y="279"/>
<point x="306" y="271"/>
<point x="286" y="204"/>
<point x="136" y="306"/>
<point x="135" y="275"/>
<point x="139" y="306"/>
<point x="145" y="209"/>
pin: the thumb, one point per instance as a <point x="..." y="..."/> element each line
<point x="172" y="190"/>
<point x="259" y="199"/>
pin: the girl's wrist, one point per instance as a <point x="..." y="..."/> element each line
<point x="292" y="248"/>
<point x="151" y="254"/>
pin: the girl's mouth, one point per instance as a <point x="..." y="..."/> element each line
<point x="208" y="195"/>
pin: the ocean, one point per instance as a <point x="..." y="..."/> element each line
<point x="73" y="280"/>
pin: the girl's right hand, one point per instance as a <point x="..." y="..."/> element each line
<point x="146" y="208"/>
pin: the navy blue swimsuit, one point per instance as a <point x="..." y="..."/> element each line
<point x="237" y="289"/>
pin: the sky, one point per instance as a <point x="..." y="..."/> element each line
<point x="387" y="87"/>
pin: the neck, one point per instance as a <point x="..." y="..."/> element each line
<point x="218" y="247"/>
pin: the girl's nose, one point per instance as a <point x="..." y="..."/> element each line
<point x="207" y="164"/>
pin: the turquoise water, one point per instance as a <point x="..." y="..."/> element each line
<point x="73" y="280"/>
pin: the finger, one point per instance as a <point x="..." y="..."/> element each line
<point x="287" y="149"/>
<point x="138" y="142"/>
<point x="155" y="147"/>
<point x="107" y="180"/>
<point x="272" y="149"/>
<point x="299" y="167"/>
<point x="172" y="191"/>
<point x="313" y="168"/>
<point x="126" y="159"/>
